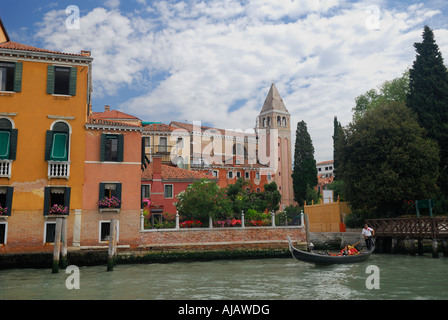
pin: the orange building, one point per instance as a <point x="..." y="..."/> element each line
<point x="112" y="180"/>
<point x="44" y="101"/>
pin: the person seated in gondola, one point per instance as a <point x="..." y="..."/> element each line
<point x="348" y="251"/>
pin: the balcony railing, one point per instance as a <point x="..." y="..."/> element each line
<point x="163" y="150"/>
<point x="5" y="168"/>
<point x="58" y="169"/>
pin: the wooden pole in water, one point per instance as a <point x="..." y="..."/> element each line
<point x="307" y="229"/>
<point x="112" y="245"/>
<point x="57" y="245"/>
<point x="64" y="244"/>
<point x="435" y="248"/>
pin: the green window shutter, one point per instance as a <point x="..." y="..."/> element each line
<point x="72" y="83"/>
<point x="18" y="77"/>
<point x="48" y="143"/>
<point x="67" y="198"/>
<point x="120" y="151"/>
<point x="59" y="147"/>
<point x="13" y="144"/>
<point x="118" y="192"/>
<point x="9" y="193"/>
<point x="50" y="79"/>
<point x="47" y="200"/>
<point x="5" y="139"/>
<point x="103" y="147"/>
<point x="102" y="188"/>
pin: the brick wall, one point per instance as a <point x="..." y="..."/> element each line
<point x="249" y="237"/>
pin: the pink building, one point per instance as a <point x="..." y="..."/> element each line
<point x="112" y="182"/>
<point x="161" y="183"/>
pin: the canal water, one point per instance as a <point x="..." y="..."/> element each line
<point x="382" y="277"/>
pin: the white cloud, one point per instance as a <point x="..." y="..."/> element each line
<point x="194" y="60"/>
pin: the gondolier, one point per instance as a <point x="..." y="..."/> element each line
<point x="368" y="233"/>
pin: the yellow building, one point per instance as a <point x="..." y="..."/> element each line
<point x="44" y="103"/>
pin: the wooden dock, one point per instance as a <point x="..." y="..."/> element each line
<point x="400" y="234"/>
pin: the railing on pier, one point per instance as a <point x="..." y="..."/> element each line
<point x="416" y="228"/>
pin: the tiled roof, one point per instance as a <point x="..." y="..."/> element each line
<point x="191" y="128"/>
<point x="170" y="173"/>
<point x="158" y="127"/>
<point x="94" y="120"/>
<point x="114" y="114"/>
<point x="19" y="46"/>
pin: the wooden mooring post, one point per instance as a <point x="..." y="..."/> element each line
<point x="57" y="245"/>
<point x="64" y="244"/>
<point x="112" y="245"/>
<point x="307" y="229"/>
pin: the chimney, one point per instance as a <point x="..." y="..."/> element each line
<point x="157" y="166"/>
<point x="106" y="108"/>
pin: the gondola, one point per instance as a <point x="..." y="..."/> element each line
<point x="325" y="259"/>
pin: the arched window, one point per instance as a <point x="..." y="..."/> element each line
<point x="279" y="121"/>
<point x="57" y="142"/>
<point x="284" y="121"/>
<point x="264" y="123"/>
<point x="269" y="121"/>
<point x="8" y="140"/>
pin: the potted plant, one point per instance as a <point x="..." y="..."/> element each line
<point x="3" y="211"/>
<point x="58" y="209"/>
<point x="109" y="204"/>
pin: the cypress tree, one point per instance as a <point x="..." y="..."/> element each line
<point x="304" y="174"/>
<point x="428" y="96"/>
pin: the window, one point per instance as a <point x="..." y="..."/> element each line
<point x="57" y="142"/>
<point x="257" y="175"/>
<point x="61" y="80"/>
<point x="6" y="199"/>
<point x="109" y="190"/>
<point x="8" y="140"/>
<point x="230" y="174"/>
<point x="238" y="174"/>
<point x="3" y="232"/>
<point x="147" y="141"/>
<point x="180" y="142"/>
<point x="215" y="173"/>
<point x="168" y="191"/>
<point x="163" y="142"/>
<point x="112" y="147"/>
<point x="11" y="76"/>
<point x="105" y="230"/>
<point x="146" y="193"/>
<point x="56" y="196"/>
<point x="49" y="232"/>
<point x="247" y="175"/>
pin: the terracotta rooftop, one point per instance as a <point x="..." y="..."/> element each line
<point x="106" y="122"/>
<point x="158" y="127"/>
<point x="114" y="114"/>
<point x="23" y="47"/>
<point x="190" y="128"/>
<point x="170" y="173"/>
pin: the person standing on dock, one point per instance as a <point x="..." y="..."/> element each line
<point x="368" y="233"/>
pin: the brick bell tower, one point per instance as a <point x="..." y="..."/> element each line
<point x="275" y="116"/>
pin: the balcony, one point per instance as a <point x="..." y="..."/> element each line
<point x="5" y="168"/>
<point x="58" y="169"/>
<point x="163" y="150"/>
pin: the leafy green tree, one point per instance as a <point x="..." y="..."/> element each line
<point x="387" y="159"/>
<point x="272" y="196"/>
<point x="428" y="96"/>
<point x="338" y="137"/>
<point x="305" y="172"/>
<point x="394" y="90"/>
<point x="204" y="199"/>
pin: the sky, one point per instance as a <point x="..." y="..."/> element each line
<point x="213" y="61"/>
